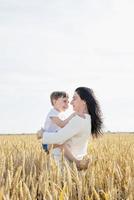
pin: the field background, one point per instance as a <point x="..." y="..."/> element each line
<point x="27" y="173"/>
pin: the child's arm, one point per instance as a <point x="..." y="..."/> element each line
<point x="62" y="123"/>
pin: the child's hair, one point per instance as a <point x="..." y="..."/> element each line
<point x="57" y="94"/>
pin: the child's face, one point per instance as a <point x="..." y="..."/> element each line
<point x="61" y="103"/>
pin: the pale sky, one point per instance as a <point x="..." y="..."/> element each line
<point x="60" y="45"/>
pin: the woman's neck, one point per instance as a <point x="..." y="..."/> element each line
<point x="83" y="111"/>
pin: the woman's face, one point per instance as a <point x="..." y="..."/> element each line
<point x="77" y="103"/>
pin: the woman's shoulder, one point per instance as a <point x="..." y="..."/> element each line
<point x="81" y="119"/>
<point x="76" y="120"/>
<point x="81" y="122"/>
<point x="83" y="116"/>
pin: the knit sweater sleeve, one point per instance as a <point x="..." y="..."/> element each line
<point x="72" y="128"/>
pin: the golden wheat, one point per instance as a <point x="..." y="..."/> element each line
<point x="28" y="173"/>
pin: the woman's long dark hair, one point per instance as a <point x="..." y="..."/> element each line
<point x="87" y="95"/>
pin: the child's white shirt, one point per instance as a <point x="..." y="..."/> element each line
<point x="49" y="126"/>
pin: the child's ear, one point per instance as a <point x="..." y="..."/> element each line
<point x="54" y="101"/>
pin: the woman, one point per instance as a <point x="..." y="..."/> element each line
<point x="75" y="135"/>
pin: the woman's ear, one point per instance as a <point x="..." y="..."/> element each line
<point x="85" y="106"/>
<point x="84" y="103"/>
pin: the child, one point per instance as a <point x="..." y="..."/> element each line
<point x="53" y="123"/>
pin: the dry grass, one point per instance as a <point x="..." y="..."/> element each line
<point x="27" y="173"/>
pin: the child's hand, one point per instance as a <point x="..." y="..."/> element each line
<point x="73" y="114"/>
<point x="81" y="115"/>
<point x="39" y="134"/>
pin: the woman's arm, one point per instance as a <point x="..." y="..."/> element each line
<point x="72" y="128"/>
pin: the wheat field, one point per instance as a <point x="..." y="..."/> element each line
<point x="28" y="173"/>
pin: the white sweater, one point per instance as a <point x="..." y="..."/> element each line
<point x="75" y="134"/>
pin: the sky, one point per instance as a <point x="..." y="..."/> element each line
<point x="61" y="45"/>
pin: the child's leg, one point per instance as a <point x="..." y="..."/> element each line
<point x="45" y="147"/>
